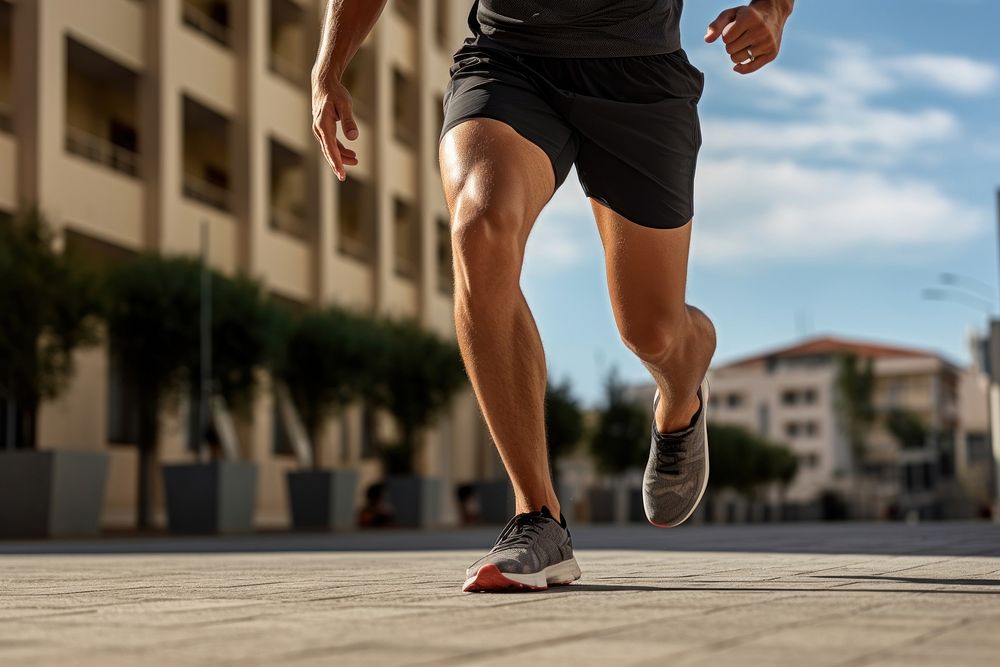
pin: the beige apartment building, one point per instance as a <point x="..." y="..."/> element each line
<point x="789" y="395"/>
<point x="134" y="123"/>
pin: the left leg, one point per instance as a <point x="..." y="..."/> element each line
<point x="647" y="279"/>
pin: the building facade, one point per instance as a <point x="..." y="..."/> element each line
<point x="791" y="395"/>
<point x="136" y="124"/>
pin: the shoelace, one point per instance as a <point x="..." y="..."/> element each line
<point x="520" y="530"/>
<point x="669" y="456"/>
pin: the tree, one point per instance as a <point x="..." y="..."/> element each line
<point x="152" y="308"/>
<point x="563" y="421"/>
<point x="743" y="461"/>
<point x="620" y="439"/>
<point x="328" y="359"/>
<point x="419" y="374"/>
<point x="855" y="389"/>
<point x="907" y="428"/>
<point x="48" y="308"/>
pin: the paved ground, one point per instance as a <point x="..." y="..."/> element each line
<point x="775" y="595"/>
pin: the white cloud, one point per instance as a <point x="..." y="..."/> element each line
<point x="955" y="74"/>
<point x="755" y="210"/>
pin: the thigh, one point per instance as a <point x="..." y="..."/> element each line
<point x="492" y="83"/>
<point x="490" y="173"/>
<point x="646" y="270"/>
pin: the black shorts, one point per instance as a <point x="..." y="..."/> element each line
<point x="629" y="124"/>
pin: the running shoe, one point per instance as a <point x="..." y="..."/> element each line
<point x="677" y="470"/>
<point x="533" y="551"/>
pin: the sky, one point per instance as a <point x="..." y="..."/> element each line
<point x="834" y="186"/>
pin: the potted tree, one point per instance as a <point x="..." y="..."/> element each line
<point x="419" y="373"/>
<point x="153" y="305"/>
<point x="48" y="304"/>
<point x="619" y="443"/>
<point x="326" y="362"/>
<point x="218" y="495"/>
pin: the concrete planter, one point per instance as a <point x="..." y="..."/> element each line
<point x="51" y="493"/>
<point x="322" y="499"/>
<point x="217" y="497"/>
<point x="602" y="505"/>
<point x="416" y="501"/>
<point x="496" y="501"/>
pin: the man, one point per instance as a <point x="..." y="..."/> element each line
<point x="540" y="86"/>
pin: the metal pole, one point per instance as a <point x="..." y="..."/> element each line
<point x="205" y="340"/>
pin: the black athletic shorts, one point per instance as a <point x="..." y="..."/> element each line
<point x="629" y="124"/>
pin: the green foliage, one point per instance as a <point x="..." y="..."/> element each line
<point x="563" y="420"/>
<point x="153" y="309"/>
<point x="419" y="373"/>
<point x="329" y="358"/>
<point x="48" y="304"/>
<point x="855" y="389"/>
<point x="620" y="439"/>
<point x="740" y="460"/>
<point x="907" y="428"/>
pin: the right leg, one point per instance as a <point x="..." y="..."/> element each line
<point x="496" y="183"/>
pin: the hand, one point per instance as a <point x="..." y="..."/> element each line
<point x="752" y="30"/>
<point x="332" y="103"/>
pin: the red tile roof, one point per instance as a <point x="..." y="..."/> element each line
<point x="830" y="344"/>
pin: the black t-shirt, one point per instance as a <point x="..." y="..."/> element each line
<point x="578" y="28"/>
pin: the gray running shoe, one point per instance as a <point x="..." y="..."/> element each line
<point x="533" y="551"/>
<point x="677" y="470"/>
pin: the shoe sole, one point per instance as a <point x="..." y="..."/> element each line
<point x="490" y="578"/>
<point x="704" y="483"/>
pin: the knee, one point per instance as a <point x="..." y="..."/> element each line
<point x="653" y="338"/>
<point x="486" y="241"/>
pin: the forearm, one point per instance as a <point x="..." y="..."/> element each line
<point x="781" y="8"/>
<point x="346" y="23"/>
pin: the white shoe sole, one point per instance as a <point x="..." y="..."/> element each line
<point x="490" y="578"/>
<point x="704" y="439"/>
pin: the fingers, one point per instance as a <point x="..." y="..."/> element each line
<point x="758" y="62"/>
<point x="328" y="135"/>
<point x="737" y="49"/>
<point x="345" y="113"/>
<point x="715" y="27"/>
<point x="349" y="156"/>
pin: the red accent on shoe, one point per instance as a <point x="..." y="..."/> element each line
<point x="490" y="578"/>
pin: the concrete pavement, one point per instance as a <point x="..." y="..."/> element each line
<point x="875" y="594"/>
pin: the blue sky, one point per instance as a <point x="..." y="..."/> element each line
<point x="833" y="186"/>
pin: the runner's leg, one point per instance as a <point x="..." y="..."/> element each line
<point x="496" y="183"/>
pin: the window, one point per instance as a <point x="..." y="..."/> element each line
<point x="809" y="396"/>
<point x="442" y="12"/>
<point x="209" y="17"/>
<point x="405" y="100"/>
<point x="791" y="429"/>
<point x="356" y="219"/>
<point x="359" y="79"/>
<point x="789" y="397"/>
<point x="407" y="239"/>
<point x="809" y="460"/>
<point x="977" y="447"/>
<point x="734" y="400"/>
<point x="206" y="157"/>
<point x="288" y="191"/>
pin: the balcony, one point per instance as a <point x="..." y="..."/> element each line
<point x="406" y="239"/>
<point x="207" y="159"/>
<point x="359" y="79"/>
<point x="288" y="191"/>
<point x="288" y="38"/>
<point x="203" y="191"/>
<point x="209" y="18"/>
<point x="101" y="151"/>
<point x="101" y="109"/>
<point x="356" y="220"/>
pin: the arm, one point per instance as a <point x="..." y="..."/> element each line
<point x="345" y="26"/>
<point x="757" y="27"/>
